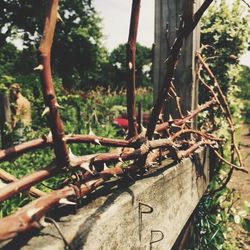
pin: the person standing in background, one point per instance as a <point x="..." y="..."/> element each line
<point x="20" y="113"/>
<point x="21" y="108"/>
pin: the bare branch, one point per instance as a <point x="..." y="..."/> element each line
<point x="26" y="182"/>
<point x="180" y="122"/>
<point x="7" y="177"/>
<point x="221" y="99"/>
<point x="78" y="161"/>
<point x="131" y="64"/>
<point x="15" y="151"/>
<point x="49" y="95"/>
<point x="229" y="163"/>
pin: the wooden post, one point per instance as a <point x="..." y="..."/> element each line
<point x="167" y="20"/>
<point x="5" y="116"/>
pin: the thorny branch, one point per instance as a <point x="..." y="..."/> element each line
<point x="26" y="182"/>
<point x="224" y="108"/>
<point x="7" y="178"/>
<point x="131" y="65"/>
<point x="15" y="151"/>
<point x="177" y="99"/>
<point x="30" y="215"/>
<point x="186" y="119"/>
<point x="51" y="104"/>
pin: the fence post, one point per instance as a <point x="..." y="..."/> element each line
<point x="5" y="116"/>
<point x="167" y="20"/>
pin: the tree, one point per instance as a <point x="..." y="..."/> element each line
<point x="227" y="31"/>
<point x="20" y="19"/>
<point x="77" y="46"/>
<point x="77" y="53"/>
<point x="117" y="60"/>
<point x="9" y="55"/>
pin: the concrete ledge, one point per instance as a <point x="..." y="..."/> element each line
<point x="155" y="208"/>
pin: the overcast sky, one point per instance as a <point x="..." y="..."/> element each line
<point x="116" y="15"/>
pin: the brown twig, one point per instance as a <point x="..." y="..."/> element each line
<point x="177" y="100"/>
<point x="15" y="151"/>
<point x="229" y="163"/>
<point x="85" y="162"/>
<point x="225" y="109"/>
<point x="26" y="182"/>
<point x="28" y="217"/>
<point x="131" y="60"/>
<point x="26" y="147"/>
<point x="197" y="132"/>
<point x="49" y="95"/>
<point x="194" y="147"/>
<point x="180" y="122"/>
<point x="7" y="177"/>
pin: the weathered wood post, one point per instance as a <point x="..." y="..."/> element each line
<point x="5" y="115"/>
<point x="167" y="19"/>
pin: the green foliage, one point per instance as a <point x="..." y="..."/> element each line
<point x="8" y="56"/>
<point x="212" y="221"/>
<point x="17" y="16"/>
<point x="7" y="206"/>
<point x="78" y="56"/>
<point x="77" y="51"/>
<point x="214" y="213"/>
<point x="118" y="66"/>
<point x="216" y="217"/>
<point x="244" y="82"/>
<point x="228" y="34"/>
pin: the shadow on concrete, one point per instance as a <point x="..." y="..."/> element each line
<point x="84" y="230"/>
<point x="110" y="191"/>
<point x="123" y="187"/>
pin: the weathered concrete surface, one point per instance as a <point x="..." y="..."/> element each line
<point x="115" y="222"/>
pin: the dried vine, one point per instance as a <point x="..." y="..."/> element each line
<point x="51" y="104"/>
<point x="131" y="64"/>
<point x="8" y="178"/>
<point x="224" y="108"/>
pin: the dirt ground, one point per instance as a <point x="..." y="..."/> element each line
<point x="241" y="183"/>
